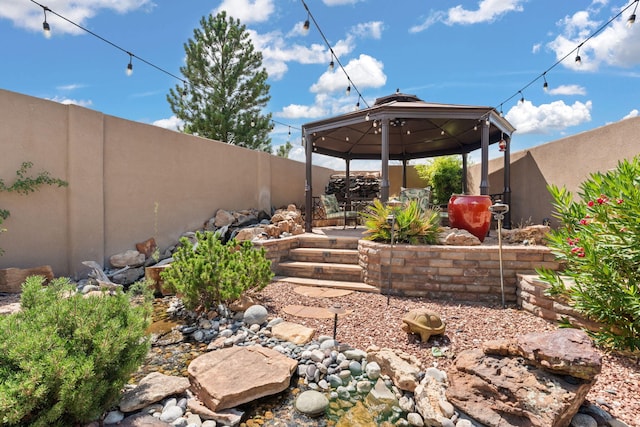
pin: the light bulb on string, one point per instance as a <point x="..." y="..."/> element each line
<point x="348" y="91"/>
<point x="521" y="97"/>
<point x="632" y="18"/>
<point x="545" y="85"/>
<point x="332" y="65"/>
<point x="305" y="26"/>
<point x="130" y="65"/>
<point x="46" y="29"/>
<point x="578" y="59"/>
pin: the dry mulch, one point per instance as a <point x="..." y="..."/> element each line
<point x="376" y="320"/>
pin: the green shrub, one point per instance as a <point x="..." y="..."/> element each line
<point x="412" y="225"/>
<point x="64" y="359"/>
<point x="210" y="272"/>
<point x="599" y="243"/>
<point x="444" y="175"/>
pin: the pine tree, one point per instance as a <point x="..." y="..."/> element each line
<point x="227" y="86"/>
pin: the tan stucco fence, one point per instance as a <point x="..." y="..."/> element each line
<point x="566" y="162"/>
<point x="128" y="182"/>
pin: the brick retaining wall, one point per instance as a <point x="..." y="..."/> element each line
<point x="455" y="273"/>
<point x="531" y="298"/>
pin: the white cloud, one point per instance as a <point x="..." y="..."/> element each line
<point x="371" y="29"/>
<point x="69" y="101"/>
<point x="172" y="123"/>
<point x="296" y="111"/>
<point x="555" y="116"/>
<point x="276" y="52"/>
<point x="247" y="11"/>
<point x="29" y="15"/>
<point x="487" y="11"/>
<point x="632" y="113"/>
<point x="568" y="90"/>
<point x="70" y="87"/>
<point x="536" y="48"/>
<point x="365" y="71"/>
<point x="339" y="2"/>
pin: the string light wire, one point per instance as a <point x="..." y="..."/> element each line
<point x="132" y="55"/>
<point x="333" y="56"/>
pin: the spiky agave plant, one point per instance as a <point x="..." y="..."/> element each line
<point x="411" y="224"/>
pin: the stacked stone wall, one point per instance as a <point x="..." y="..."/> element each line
<point x="455" y="273"/>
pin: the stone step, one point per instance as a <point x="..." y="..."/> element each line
<point x="320" y="270"/>
<point x="339" y="256"/>
<point x="319" y="241"/>
<point x="333" y="284"/>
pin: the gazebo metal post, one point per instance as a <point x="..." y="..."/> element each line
<point x="465" y="184"/>
<point x="404" y="173"/>
<point x="308" y="188"/>
<point x="384" y="185"/>
<point x="484" y="157"/>
<point x="506" y="193"/>
<point x="348" y="187"/>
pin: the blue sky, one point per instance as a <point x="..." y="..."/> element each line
<point x="460" y="52"/>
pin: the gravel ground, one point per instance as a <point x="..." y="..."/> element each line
<point x="375" y="321"/>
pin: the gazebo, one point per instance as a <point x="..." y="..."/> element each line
<point x="403" y="127"/>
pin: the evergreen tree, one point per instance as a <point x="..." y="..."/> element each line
<point x="284" y="150"/>
<point x="227" y="86"/>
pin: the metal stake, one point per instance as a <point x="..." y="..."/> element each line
<point x="499" y="209"/>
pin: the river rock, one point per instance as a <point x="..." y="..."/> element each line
<point x="255" y="315"/>
<point x="429" y="396"/>
<point x="403" y="368"/>
<point x="152" y="388"/>
<point x="507" y="391"/>
<point x="292" y="332"/>
<point x="565" y="351"/>
<point x="129" y="258"/>
<point x="457" y="237"/>
<point x="232" y="376"/>
<point x="223" y="218"/>
<point x="311" y="403"/>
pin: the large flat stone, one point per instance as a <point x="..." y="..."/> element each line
<point x="232" y="376"/>
<point x="507" y="391"/>
<point x="152" y="388"/>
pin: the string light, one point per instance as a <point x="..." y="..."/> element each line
<point x="46" y="29"/>
<point x="578" y="59"/>
<point x="632" y="18"/>
<point x="130" y="65"/>
<point x="305" y="26"/>
<point x="521" y="97"/>
<point x="545" y="85"/>
<point x="348" y="91"/>
<point x="331" y="65"/>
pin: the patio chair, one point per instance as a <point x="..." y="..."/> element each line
<point x="333" y="210"/>
<point x="422" y="195"/>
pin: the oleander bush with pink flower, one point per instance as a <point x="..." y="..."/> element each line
<point x="599" y="243"/>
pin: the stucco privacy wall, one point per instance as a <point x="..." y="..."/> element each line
<point x="128" y="181"/>
<point x="566" y="162"/>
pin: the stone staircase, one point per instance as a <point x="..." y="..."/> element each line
<point x="325" y="261"/>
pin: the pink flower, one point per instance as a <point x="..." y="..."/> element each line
<point x="620" y="201"/>
<point x="591" y="203"/>
<point x="602" y="199"/>
<point x="583" y="221"/>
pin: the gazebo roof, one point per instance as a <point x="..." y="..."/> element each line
<point x="417" y="129"/>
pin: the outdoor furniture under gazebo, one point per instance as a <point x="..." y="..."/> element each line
<point x="403" y="127"/>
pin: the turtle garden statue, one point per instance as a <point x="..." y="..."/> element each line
<point x="422" y="322"/>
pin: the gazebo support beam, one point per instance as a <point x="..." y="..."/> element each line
<point x="484" y="158"/>
<point x="506" y="192"/>
<point x="308" y="188"/>
<point x="384" y="184"/>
